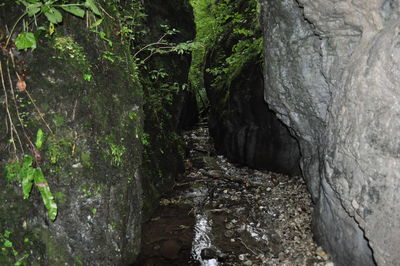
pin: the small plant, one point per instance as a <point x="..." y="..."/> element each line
<point x="115" y="151"/>
<point x="145" y="139"/>
<point x="28" y="173"/>
<point x="7" y="248"/>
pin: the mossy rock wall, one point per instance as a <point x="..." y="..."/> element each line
<point x="167" y="111"/>
<point x="112" y="137"/>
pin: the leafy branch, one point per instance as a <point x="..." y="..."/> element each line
<point x="51" y="10"/>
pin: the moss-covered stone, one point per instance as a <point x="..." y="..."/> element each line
<point x="83" y="101"/>
<point x="86" y="93"/>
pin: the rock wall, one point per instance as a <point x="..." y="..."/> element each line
<point x="247" y="132"/>
<point x="240" y="122"/>
<point x="167" y="111"/>
<point x="93" y="98"/>
<point x="332" y="75"/>
<point x="91" y="157"/>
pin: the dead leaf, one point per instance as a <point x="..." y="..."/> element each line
<point x="21" y="84"/>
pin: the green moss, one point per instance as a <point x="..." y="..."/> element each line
<point x="58" y="149"/>
<point x="92" y="190"/>
<point x="85" y="159"/>
<point x="56" y="251"/>
<point x="114" y="151"/>
<point x="58" y="120"/>
<point x="13" y="207"/>
<point x="60" y="197"/>
<point x="12" y="170"/>
<point x="69" y="49"/>
<point x="78" y="260"/>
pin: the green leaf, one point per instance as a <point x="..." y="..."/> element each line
<point x="39" y="139"/>
<point x="87" y="77"/>
<point x="8" y="244"/>
<point x="27" y="183"/>
<point x="47" y="196"/>
<point x="26" y="175"/>
<point x="92" y="6"/>
<point x="33" y="9"/>
<point x="53" y="15"/>
<point x="74" y="10"/>
<point x="13" y="170"/>
<point x="25" y="40"/>
<point x="96" y="23"/>
<point x="7" y="234"/>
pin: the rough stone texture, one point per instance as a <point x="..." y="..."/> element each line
<point x="248" y="132"/>
<point x="163" y="155"/>
<point x="93" y="161"/>
<point x="332" y="75"/>
<point x="176" y="14"/>
<point x="240" y="122"/>
<point x="91" y="169"/>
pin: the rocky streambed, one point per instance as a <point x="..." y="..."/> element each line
<point x="222" y="214"/>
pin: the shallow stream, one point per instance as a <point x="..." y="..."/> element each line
<point x="222" y="214"/>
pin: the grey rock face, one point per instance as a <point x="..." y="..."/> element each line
<point x="251" y="134"/>
<point x="332" y="75"/>
<point x="242" y="126"/>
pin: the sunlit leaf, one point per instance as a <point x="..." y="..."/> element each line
<point x="74" y="10"/>
<point x="47" y="196"/>
<point x="25" y="40"/>
<point x="26" y="176"/>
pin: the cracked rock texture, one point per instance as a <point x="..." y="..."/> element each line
<point x="332" y="75"/>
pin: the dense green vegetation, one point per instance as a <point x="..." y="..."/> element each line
<point x="231" y="27"/>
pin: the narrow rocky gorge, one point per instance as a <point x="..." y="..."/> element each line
<point x="297" y="164"/>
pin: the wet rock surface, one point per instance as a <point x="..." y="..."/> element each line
<point x="332" y="75"/>
<point x="247" y="132"/>
<point x="233" y="216"/>
<point x="244" y="129"/>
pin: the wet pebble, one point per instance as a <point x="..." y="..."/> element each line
<point x="229" y="225"/>
<point x="208" y="254"/>
<point x="229" y="234"/>
<point x="248" y="263"/>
